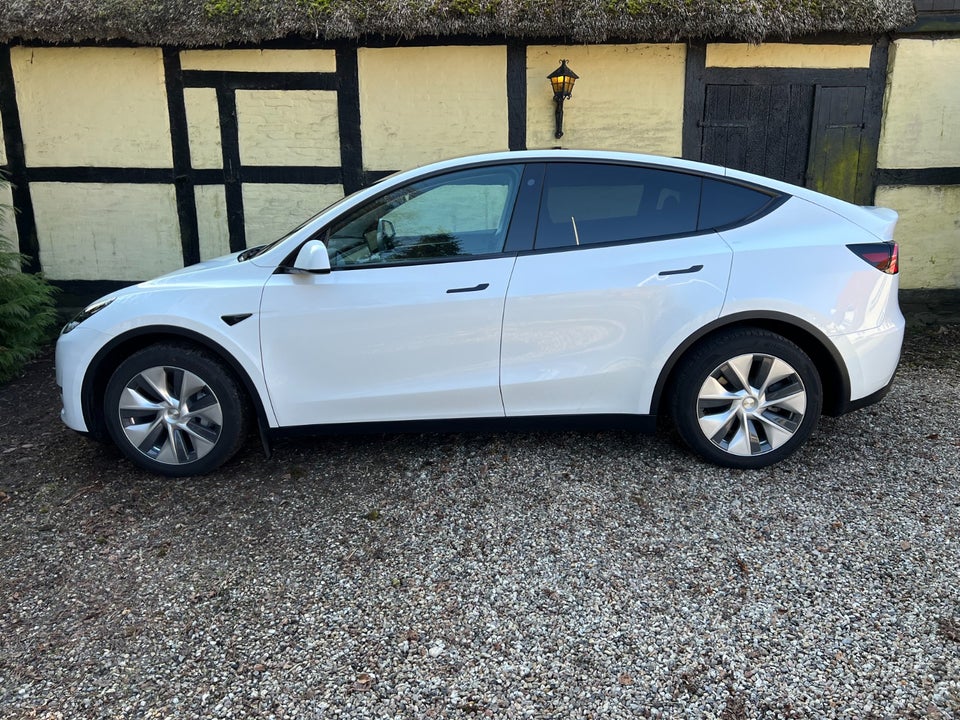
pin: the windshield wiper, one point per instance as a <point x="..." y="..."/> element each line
<point x="250" y="253"/>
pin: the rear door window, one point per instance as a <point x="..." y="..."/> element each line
<point x="593" y="203"/>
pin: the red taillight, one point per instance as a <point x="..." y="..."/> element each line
<point x="885" y="257"/>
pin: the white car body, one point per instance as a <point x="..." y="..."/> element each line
<point x="590" y="332"/>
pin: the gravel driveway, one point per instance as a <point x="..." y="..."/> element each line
<point x="573" y="575"/>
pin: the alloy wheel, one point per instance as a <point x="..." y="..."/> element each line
<point x="170" y="415"/>
<point x="751" y="404"/>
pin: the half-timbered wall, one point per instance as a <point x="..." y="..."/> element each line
<point x="131" y="161"/>
<point x="8" y="227"/>
<point x="919" y="158"/>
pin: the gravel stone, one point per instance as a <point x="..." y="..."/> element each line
<point x="538" y="575"/>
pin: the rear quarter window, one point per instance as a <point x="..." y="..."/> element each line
<point x="723" y="204"/>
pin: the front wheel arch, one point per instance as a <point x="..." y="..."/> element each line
<point x="123" y="346"/>
<point x="175" y="410"/>
<point x="833" y="374"/>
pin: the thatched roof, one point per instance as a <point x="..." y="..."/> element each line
<point x="192" y="23"/>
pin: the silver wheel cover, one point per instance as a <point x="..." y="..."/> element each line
<point x="170" y="415"/>
<point x="751" y="404"/>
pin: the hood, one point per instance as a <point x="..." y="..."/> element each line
<point x="185" y="275"/>
<point x="224" y="271"/>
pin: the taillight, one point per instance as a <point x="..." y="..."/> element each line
<point x="885" y="257"/>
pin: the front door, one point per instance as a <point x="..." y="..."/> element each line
<point x="407" y="324"/>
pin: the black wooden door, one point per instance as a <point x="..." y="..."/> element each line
<point x="805" y="134"/>
<point x="763" y="129"/>
<point x="836" y="143"/>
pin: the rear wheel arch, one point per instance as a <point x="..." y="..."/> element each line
<point x="829" y="364"/>
<point x="745" y="398"/>
<point x="120" y="348"/>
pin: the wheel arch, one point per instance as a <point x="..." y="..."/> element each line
<point x="825" y="356"/>
<point x="121" y="347"/>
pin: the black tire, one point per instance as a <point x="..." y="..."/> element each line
<point x="749" y="424"/>
<point x="175" y="410"/>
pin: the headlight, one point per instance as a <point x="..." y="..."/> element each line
<point x="87" y="312"/>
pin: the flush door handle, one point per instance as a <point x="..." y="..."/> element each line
<point x="684" y="271"/>
<point x="475" y="288"/>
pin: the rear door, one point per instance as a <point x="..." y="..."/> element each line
<point x="619" y="276"/>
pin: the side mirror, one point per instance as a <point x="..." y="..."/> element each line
<point x="385" y="232"/>
<point x="313" y="258"/>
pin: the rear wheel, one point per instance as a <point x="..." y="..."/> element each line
<point x="746" y="398"/>
<point x="175" y="410"/>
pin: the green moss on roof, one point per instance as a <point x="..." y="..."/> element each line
<point x="192" y="23"/>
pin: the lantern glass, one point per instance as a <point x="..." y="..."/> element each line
<point x="562" y="79"/>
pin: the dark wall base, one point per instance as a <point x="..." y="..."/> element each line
<point x="931" y="307"/>
<point x="77" y="294"/>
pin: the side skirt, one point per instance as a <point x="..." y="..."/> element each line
<point x="637" y="423"/>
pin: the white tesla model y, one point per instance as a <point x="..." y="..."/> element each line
<point x="515" y="287"/>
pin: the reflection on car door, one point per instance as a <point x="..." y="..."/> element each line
<point x="587" y="331"/>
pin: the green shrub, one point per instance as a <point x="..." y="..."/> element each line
<point x="27" y="310"/>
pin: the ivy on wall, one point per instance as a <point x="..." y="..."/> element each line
<point x="27" y="309"/>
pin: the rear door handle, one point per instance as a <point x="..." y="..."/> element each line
<point x="684" y="271"/>
<point x="475" y="288"/>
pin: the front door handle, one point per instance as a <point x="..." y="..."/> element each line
<point x="475" y="288"/>
<point x="684" y="271"/>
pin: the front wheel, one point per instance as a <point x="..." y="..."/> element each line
<point x="175" y="410"/>
<point x="746" y="398"/>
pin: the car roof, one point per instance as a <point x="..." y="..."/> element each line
<point x="569" y="154"/>
<point x="879" y="223"/>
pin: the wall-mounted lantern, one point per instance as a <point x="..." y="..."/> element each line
<point x="562" y="80"/>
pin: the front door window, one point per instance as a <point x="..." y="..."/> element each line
<point x="458" y="215"/>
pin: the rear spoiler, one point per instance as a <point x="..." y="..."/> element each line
<point x="879" y="220"/>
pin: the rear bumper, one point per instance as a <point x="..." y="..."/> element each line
<point x="871" y="399"/>
<point x="871" y="357"/>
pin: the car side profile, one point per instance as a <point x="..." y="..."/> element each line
<point x="528" y="287"/>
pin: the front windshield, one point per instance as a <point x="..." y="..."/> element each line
<point x="260" y="249"/>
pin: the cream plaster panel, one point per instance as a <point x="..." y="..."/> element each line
<point x="921" y="119"/>
<point x="212" y="221"/>
<point x="288" y="127"/>
<point x="788" y="55"/>
<point x="3" y="147"/>
<point x="8" y="221"/>
<point x="629" y="97"/>
<point x="96" y="231"/>
<point x="423" y="104"/>
<point x="272" y="210"/>
<point x="928" y="233"/>
<point x="91" y="106"/>
<point x="203" y="125"/>
<point x="260" y="60"/>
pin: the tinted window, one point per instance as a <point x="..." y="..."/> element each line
<point x="458" y="214"/>
<point x="585" y="204"/>
<point x="724" y="203"/>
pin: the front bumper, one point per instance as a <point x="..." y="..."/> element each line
<point x="75" y="351"/>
